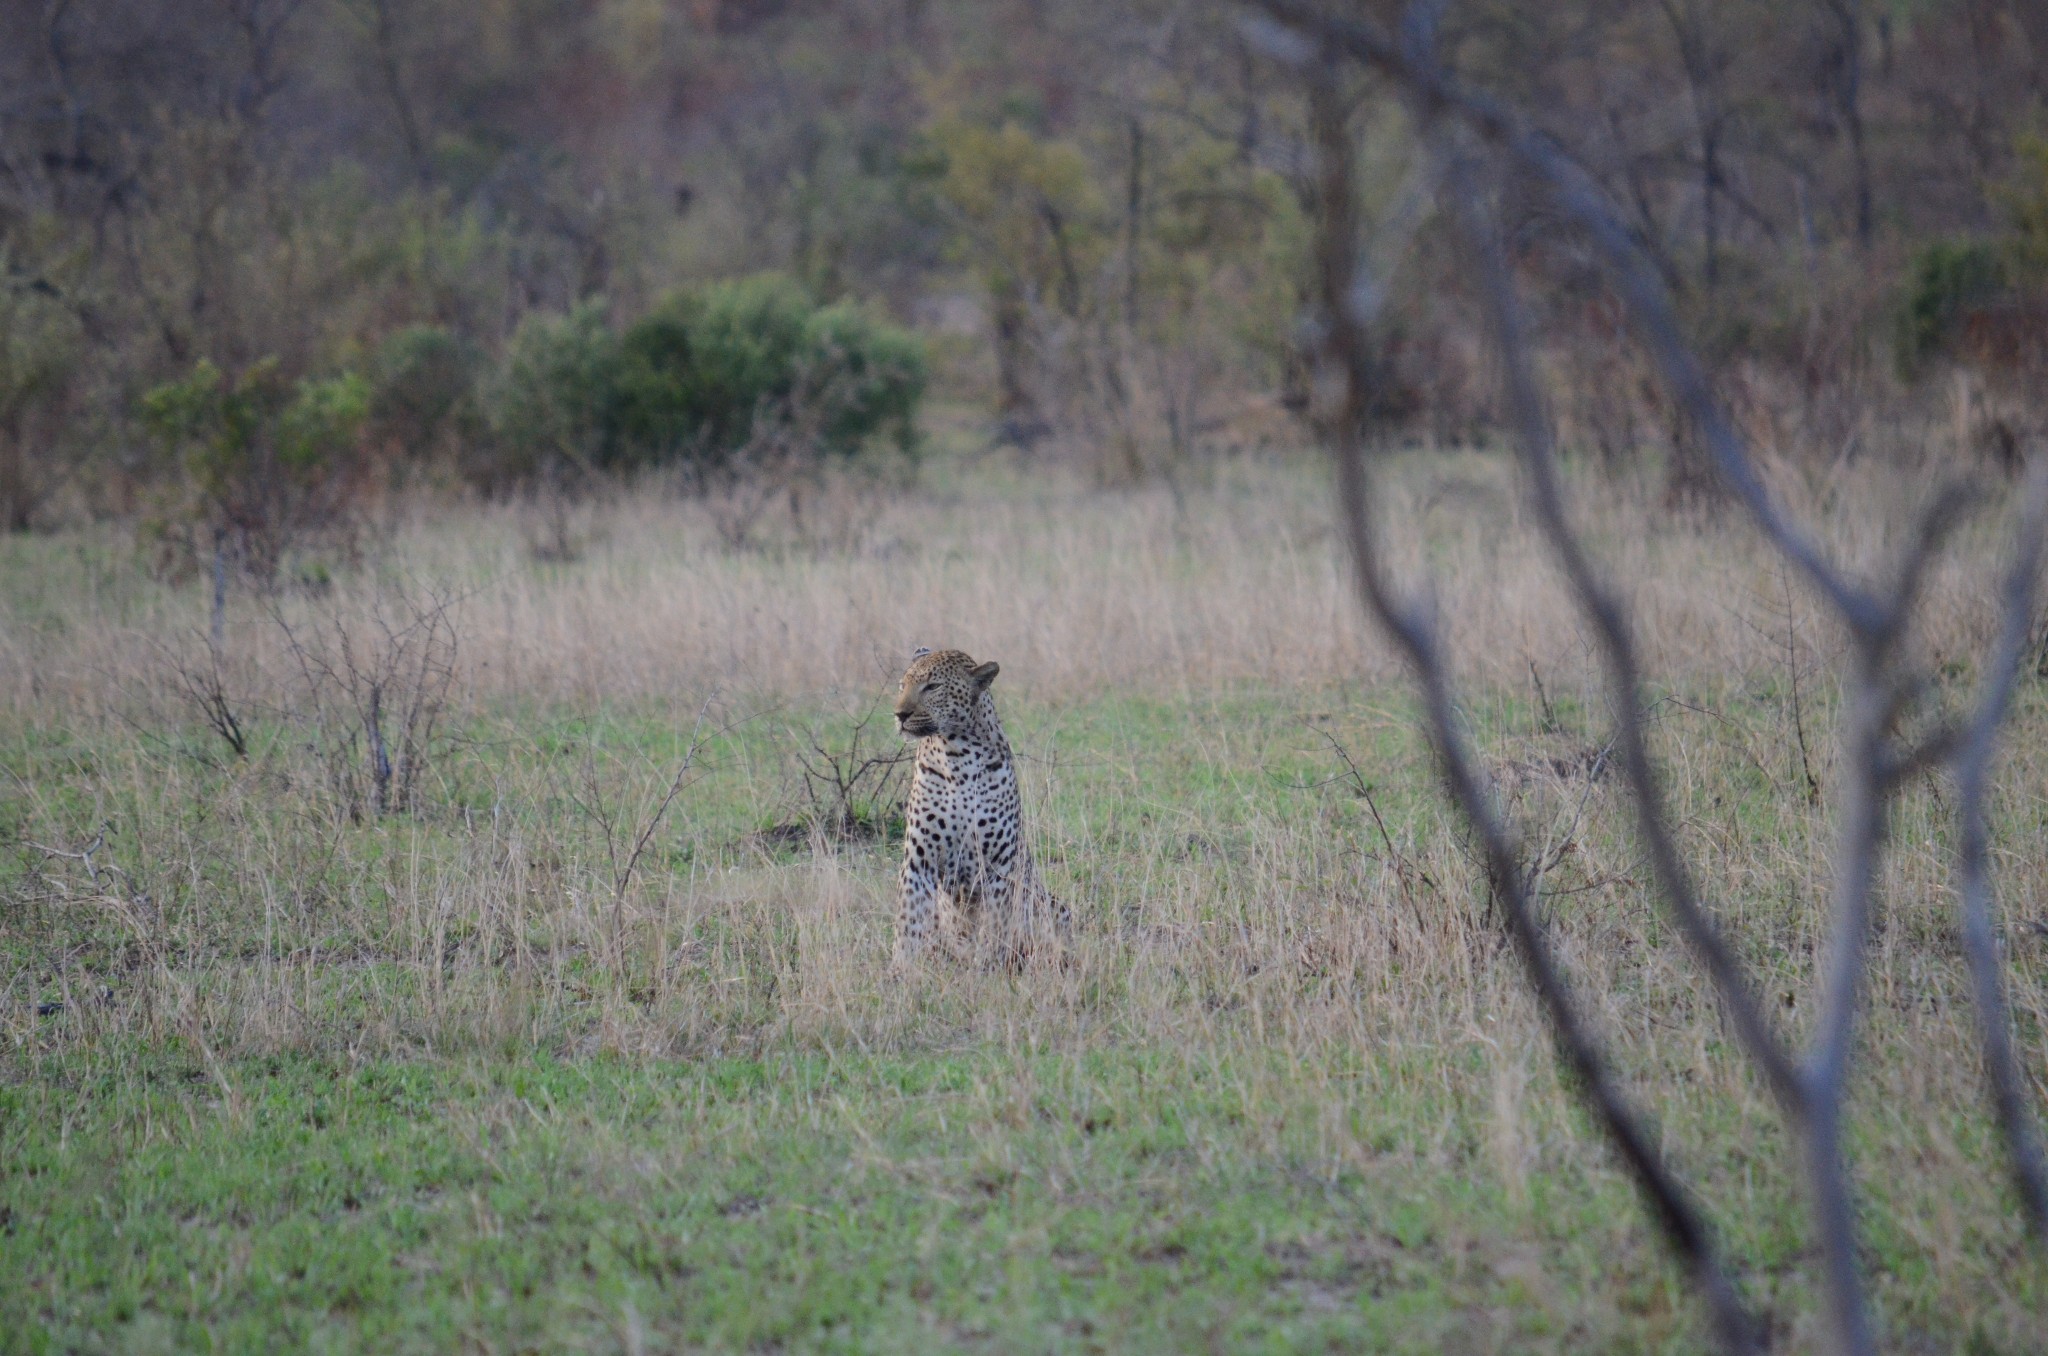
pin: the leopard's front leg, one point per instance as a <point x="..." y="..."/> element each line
<point x="1014" y="931"/>
<point x="917" y="909"/>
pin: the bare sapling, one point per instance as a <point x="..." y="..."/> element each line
<point x="851" y="789"/>
<point x="201" y="684"/>
<point x="372" y="693"/>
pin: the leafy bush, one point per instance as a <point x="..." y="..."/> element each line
<point x="554" y="398"/>
<point x="263" y="461"/>
<point x="1949" y="278"/>
<point x="424" y="387"/>
<point x="703" y="374"/>
<point x="746" y="345"/>
<point x="657" y="412"/>
<point x="699" y="378"/>
<point x="873" y="378"/>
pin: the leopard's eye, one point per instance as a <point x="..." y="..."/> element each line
<point x="928" y="687"/>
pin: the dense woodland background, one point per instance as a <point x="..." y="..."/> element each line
<point x="268" y="261"/>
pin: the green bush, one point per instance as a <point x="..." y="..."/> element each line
<point x="658" y="410"/>
<point x="258" y="461"/>
<point x="747" y="343"/>
<point x="704" y="373"/>
<point x="554" y="400"/>
<point x="1949" y="278"/>
<point x="875" y="377"/>
<point x="425" y="386"/>
<point x="701" y="376"/>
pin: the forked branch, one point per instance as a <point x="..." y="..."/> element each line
<point x="1976" y="748"/>
<point x="1413" y="631"/>
<point x="1880" y="686"/>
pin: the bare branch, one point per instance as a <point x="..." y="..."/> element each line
<point x="1973" y="859"/>
<point x="1930" y="751"/>
<point x="1434" y="95"/>
<point x="1881" y="684"/>
<point x="1618" y="652"/>
<point x="1414" y="634"/>
<point x="1940" y="516"/>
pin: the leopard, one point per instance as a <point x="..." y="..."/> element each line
<point x="969" y="883"/>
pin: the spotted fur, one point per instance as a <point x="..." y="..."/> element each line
<point x="967" y="870"/>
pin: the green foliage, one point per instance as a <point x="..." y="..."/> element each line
<point x="747" y="342"/>
<point x="1130" y="203"/>
<point x="554" y="394"/>
<point x="1228" y="251"/>
<point x="1952" y="278"/>
<point x="657" y="409"/>
<point x="321" y="420"/>
<point x="425" y="385"/>
<point x="1029" y="217"/>
<point x="262" y="459"/>
<point x="702" y="375"/>
<point x="2024" y="196"/>
<point x="871" y="376"/>
<point x="1949" y="277"/>
<point x="715" y="367"/>
<point x="213" y="424"/>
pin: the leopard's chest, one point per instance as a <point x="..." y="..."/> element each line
<point x="962" y="792"/>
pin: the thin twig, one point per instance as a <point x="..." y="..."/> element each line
<point x="1398" y="860"/>
<point x="675" y="787"/>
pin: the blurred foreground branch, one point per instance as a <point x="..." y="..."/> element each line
<point x="1473" y="136"/>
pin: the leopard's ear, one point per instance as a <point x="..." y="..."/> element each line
<point x="920" y="652"/>
<point x="985" y="674"/>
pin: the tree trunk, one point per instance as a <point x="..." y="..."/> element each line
<point x="1013" y="397"/>
<point x="1703" y="78"/>
<point x="16" y="503"/>
<point x="1847" y="76"/>
<point x="218" y="620"/>
<point x="2032" y="17"/>
<point x="1710" y="184"/>
<point x="1134" y="217"/>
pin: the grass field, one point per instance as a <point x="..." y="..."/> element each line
<point x="585" y="1037"/>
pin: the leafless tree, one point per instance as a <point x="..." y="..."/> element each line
<point x="1843" y="76"/>
<point x="1477" y="139"/>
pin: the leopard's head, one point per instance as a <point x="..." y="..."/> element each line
<point x="941" y="693"/>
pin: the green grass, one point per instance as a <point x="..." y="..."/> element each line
<point x="277" y="1074"/>
<point x="1108" y="1201"/>
<point x="1133" y="1170"/>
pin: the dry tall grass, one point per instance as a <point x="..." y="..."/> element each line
<point x="1080" y="592"/>
<point x="1286" y="940"/>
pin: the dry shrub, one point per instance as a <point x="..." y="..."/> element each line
<point x="371" y="687"/>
